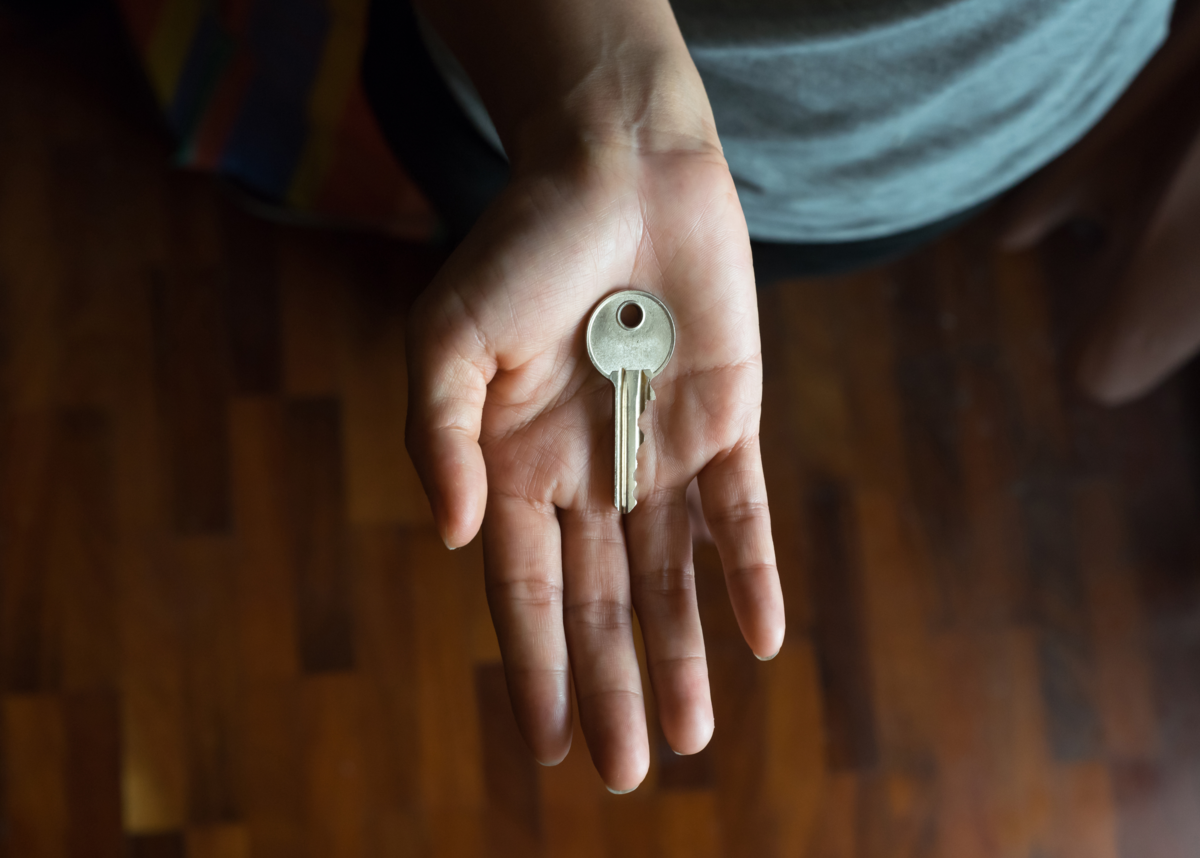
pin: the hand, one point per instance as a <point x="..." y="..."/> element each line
<point x="507" y="413"/>
<point x="1150" y="325"/>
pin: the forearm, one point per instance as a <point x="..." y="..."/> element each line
<point x="591" y="72"/>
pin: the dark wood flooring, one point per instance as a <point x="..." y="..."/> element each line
<point x="227" y="627"/>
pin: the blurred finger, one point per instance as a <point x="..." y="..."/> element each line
<point x="664" y="593"/>
<point x="734" y="495"/>
<point x="1153" y="326"/>
<point x="1027" y="218"/>
<point x="522" y="556"/>
<point x="599" y="625"/>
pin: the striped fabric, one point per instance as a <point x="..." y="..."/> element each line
<point x="267" y="92"/>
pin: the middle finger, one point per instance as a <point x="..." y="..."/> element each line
<point x="598" y="619"/>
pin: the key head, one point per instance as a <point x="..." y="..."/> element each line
<point x="631" y="330"/>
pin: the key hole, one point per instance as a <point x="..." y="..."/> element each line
<point x="630" y="315"/>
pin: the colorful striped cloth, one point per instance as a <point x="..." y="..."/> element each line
<point x="267" y="92"/>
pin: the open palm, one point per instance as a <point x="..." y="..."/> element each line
<point x="508" y="414"/>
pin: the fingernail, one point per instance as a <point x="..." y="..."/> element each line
<point x="619" y="791"/>
<point x="766" y="657"/>
<point x="446" y="542"/>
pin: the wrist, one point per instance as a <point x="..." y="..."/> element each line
<point x="592" y="74"/>
<point x="652" y="102"/>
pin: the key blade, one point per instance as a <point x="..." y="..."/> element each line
<point x="633" y="393"/>
<point x="618" y="379"/>
<point x="632" y="397"/>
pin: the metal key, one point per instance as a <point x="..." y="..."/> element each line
<point x="630" y="338"/>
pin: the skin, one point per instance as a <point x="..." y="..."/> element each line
<point x="618" y="182"/>
<point x="1152" y="326"/>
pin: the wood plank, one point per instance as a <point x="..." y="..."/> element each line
<point x="897" y="814"/>
<point x="992" y="752"/>
<point x="31" y="629"/>
<point x="739" y="749"/>
<point x="991" y="585"/>
<point x="92" y="732"/>
<point x="60" y="624"/>
<point x="839" y="636"/>
<point x="630" y="825"/>
<point x="217" y="841"/>
<point x="510" y="776"/>
<point x="449" y="772"/>
<point x="1025" y="330"/>
<point x="255" y="344"/>
<point x="898" y="803"/>
<point x="201" y="570"/>
<point x="866" y="356"/>
<point x="273" y="772"/>
<point x="897" y="619"/>
<point x="316" y="498"/>
<point x="687" y="825"/>
<point x="1124" y="686"/>
<point x="573" y="802"/>
<point x="1065" y="655"/>
<point x="382" y="484"/>
<point x="312" y="291"/>
<point x="387" y="646"/>
<point x="30" y="262"/>
<point x="927" y="383"/>
<point x="1084" y="818"/>
<point x="167" y="844"/>
<point x="154" y="759"/>
<point x="819" y="421"/>
<point x="335" y="766"/>
<point x="35" y="787"/>
<point x="837" y="833"/>
<point x="154" y="780"/>
<point x="795" y="777"/>
<point x="192" y="364"/>
<point x="82" y="551"/>
<point x="266" y="595"/>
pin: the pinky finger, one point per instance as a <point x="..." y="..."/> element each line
<point x="734" y="495"/>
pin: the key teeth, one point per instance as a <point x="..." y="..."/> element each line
<point x="632" y="487"/>
<point x="633" y="477"/>
<point x="633" y="471"/>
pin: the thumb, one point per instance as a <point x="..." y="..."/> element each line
<point x="448" y="375"/>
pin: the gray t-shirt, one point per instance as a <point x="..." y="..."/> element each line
<point x="851" y="119"/>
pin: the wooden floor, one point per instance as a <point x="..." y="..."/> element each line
<point x="229" y="629"/>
